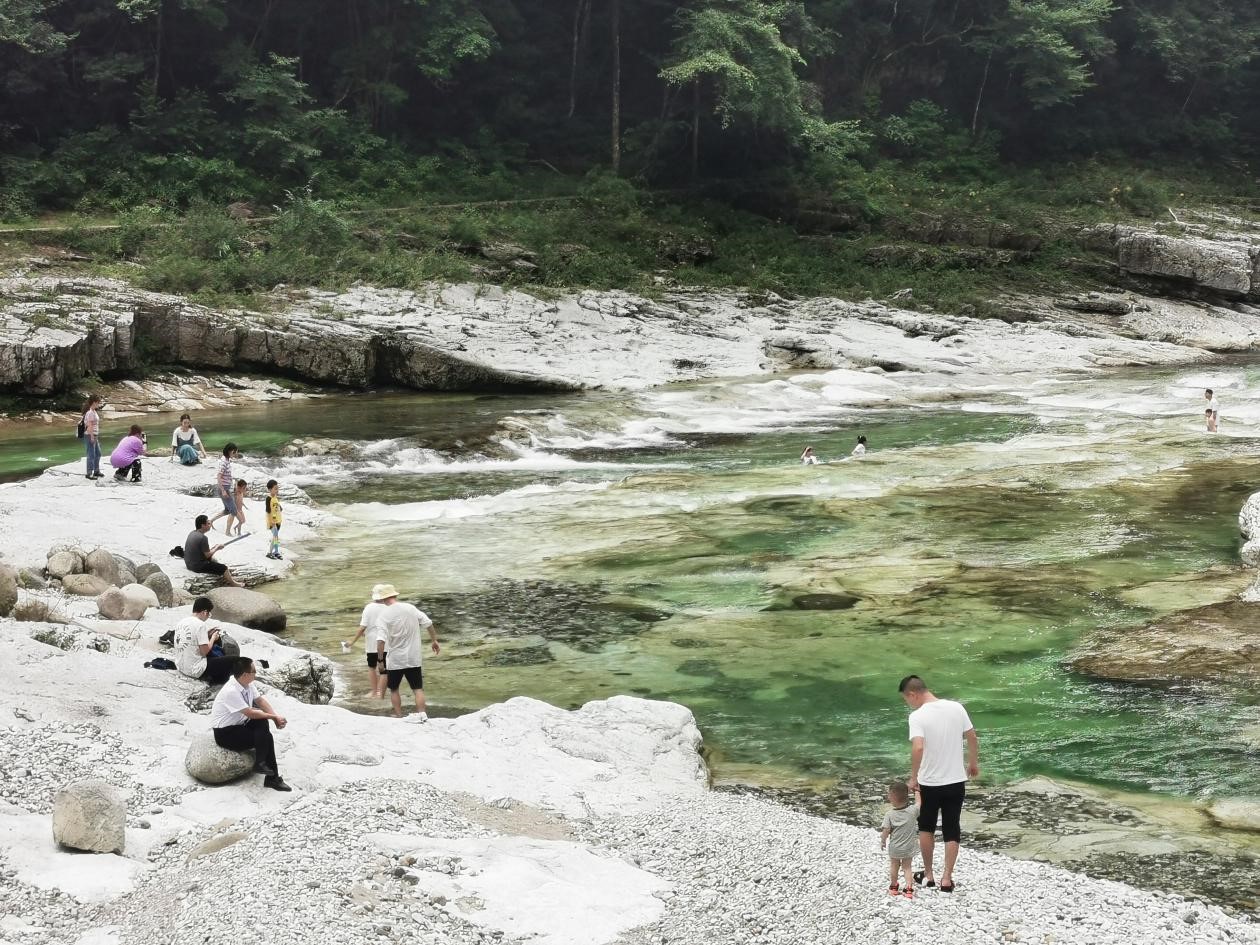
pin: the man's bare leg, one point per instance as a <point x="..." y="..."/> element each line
<point x="927" y="844"/>
<point x="951" y="856"/>
<point x="395" y="699"/>
<point x="229" y="580"/>
<point x="420" y="704"/>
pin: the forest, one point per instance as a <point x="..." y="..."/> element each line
<point x="116" y="102"/>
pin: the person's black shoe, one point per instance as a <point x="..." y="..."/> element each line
<point x="263" y="663"/>
<point x="260" y="768"/>
<point x="120" y="476"/>
<point x="276" y="783"/>
<point x="135" y="478"/>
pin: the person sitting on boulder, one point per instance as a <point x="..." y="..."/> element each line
<point x="195" y="640"/>
<point x="186" y="445"/>
<point x="199" y="556"/>
<point x="239" y="719"/>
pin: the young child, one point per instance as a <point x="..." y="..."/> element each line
<point x="899" y="835"/>
<point x="274" y="517"/>
<point x="238" y="497"/>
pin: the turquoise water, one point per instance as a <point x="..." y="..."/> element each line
<point x="667" y="544"/>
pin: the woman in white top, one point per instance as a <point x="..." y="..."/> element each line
<point x="186" y="444"/>
<point x="808" y="458"/>
<point x="92" y="436"/>
<point x="860" y="449"/>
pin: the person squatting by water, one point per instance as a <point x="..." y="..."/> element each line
<point x="92" y="435"/>
<point x="126" y="456"/>
<point x="224" y="483"/>
<point x="369" y="629"/>
<point x="186" y="445"/>
<point x="199" y="556"/>
<point x="239" y="720"/>
<point x="275" y="518"/>
<point x="1212" y="415"/>
<point x="899" y="835"/>
<point x="398" y="627"/>
<point x="937" y="730"/>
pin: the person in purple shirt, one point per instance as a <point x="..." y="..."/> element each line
<point x="126" y="455"/>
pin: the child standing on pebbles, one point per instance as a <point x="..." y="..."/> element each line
<point x="274" y="518"/>
<point x="899" y="835"/>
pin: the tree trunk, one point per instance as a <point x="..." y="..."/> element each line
<point x="578" y="14"/>
<point x="695" y="131"/>
<point x="616" y="86"/>
<point x="975" y="114"/>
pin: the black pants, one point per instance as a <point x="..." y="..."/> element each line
<point x="218" y="669"/>
<point x="945" y="800"/>
<point x="134" y="469"/>
<point x="253" y="734"/>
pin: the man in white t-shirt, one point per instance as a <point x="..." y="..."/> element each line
<point x="239" y="719"/>
<point x="367" y="630"/>
<point x="938" y="728"/>
<point x="194" y="639"/>
<point x="398" y="627"/>
<point x="1213" y="412"/>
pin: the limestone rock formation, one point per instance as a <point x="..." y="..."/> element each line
<point x="126" y="603"/>
<point x="307" y="678"/>
<point x="210" y="764"/>
<point x="84" y="585"/>
<point x="90" y="815"/>
<point x="248" y="609"/>
<point x="1219" y="642"/>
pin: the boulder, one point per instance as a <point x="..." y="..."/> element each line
<point x="126" y="571"/>
<point x="8" y="589"/>
<point x="102" y="564"/>
<point x="62" y="563"/>
<point x="1236" y="813"/>
<point x="307" y="678"/>
<point x="126" y="603"/>
<point x="84" y="585"/>
<point x="144" y="570"/>
<point x="248" y="609"/>
<point x="90" y="815"/>
<point x="210" y="764"/>
<point x="160" y="585"/>
<point x="31" y="579"/>
<point x="1249" y="525"/>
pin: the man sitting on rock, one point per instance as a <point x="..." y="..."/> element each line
<point x="199" y="556"/>
<point x="239" y="720"/>
<point x="194" y="639"/>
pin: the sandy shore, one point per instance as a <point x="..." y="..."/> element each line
<point x="518" y="823"/>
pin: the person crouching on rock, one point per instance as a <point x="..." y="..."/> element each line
<point x="199" y="556"/>
<point x="186" y="445"/>
<point x="126" y="456"/>
<point x="195" y="640"/>
<point x="398" y="628"/>
<point x="239" y="719"/>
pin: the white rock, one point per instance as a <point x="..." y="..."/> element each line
<point x="126" y="603"/>
<point x="90" y="815"/>
<point x="210" y="764"/>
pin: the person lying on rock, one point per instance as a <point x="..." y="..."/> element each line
<point x="195" y="638"/>
<point x="199" y="556"/>
<point x="239" y="719"/>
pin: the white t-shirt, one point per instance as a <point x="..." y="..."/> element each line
<point x="941" y="725"/>
<point x="399" y="625"/>
<point x="190" y="633"/>
<point x="179" y="437"/>
<point x="229" y="703"/>
<point x="1214" y="405"/>
<point x="369" y="620"/>
<point x="810" y="460"/>
<point x="859" y="450"/>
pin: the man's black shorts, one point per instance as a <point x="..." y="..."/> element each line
<point x="945" y="801"/>
<point x="211" y="567"/>
<point x="372" y="659"/>
<point x="413" y="674"/>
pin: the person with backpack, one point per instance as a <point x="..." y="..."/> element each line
<point x="90" y="432"/>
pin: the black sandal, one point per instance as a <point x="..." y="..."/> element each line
<point x="918" y="878"/>
<point x="946" y="889"/>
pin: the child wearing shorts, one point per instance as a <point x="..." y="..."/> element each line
<point x="899" y="835"/>
<point x="274" y="518"/>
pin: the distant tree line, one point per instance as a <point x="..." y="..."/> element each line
<point x="170" y="99"/>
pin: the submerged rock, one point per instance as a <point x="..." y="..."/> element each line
<point x="1220" y="642"/>
<point x="90" y="815"/>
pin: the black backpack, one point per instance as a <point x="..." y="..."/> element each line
<point x="81" y="430"/>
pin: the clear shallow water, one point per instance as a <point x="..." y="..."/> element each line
<point x="663" y="544"/>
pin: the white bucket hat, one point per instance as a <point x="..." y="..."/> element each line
<point x="384" y="592"/>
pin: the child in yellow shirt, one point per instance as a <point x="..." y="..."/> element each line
<point x="274" y="518"/>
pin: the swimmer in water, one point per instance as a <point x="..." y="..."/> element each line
<point x="860" y="449"/>
<point x="808" y="458"/>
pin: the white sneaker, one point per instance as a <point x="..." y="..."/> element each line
<point x="418" y="717"/>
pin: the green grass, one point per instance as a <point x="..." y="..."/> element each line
<point x="615" y="236"/>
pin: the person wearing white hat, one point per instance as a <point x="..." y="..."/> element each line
<point x="367" y="630"/>
<point x="398" y="627"/>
